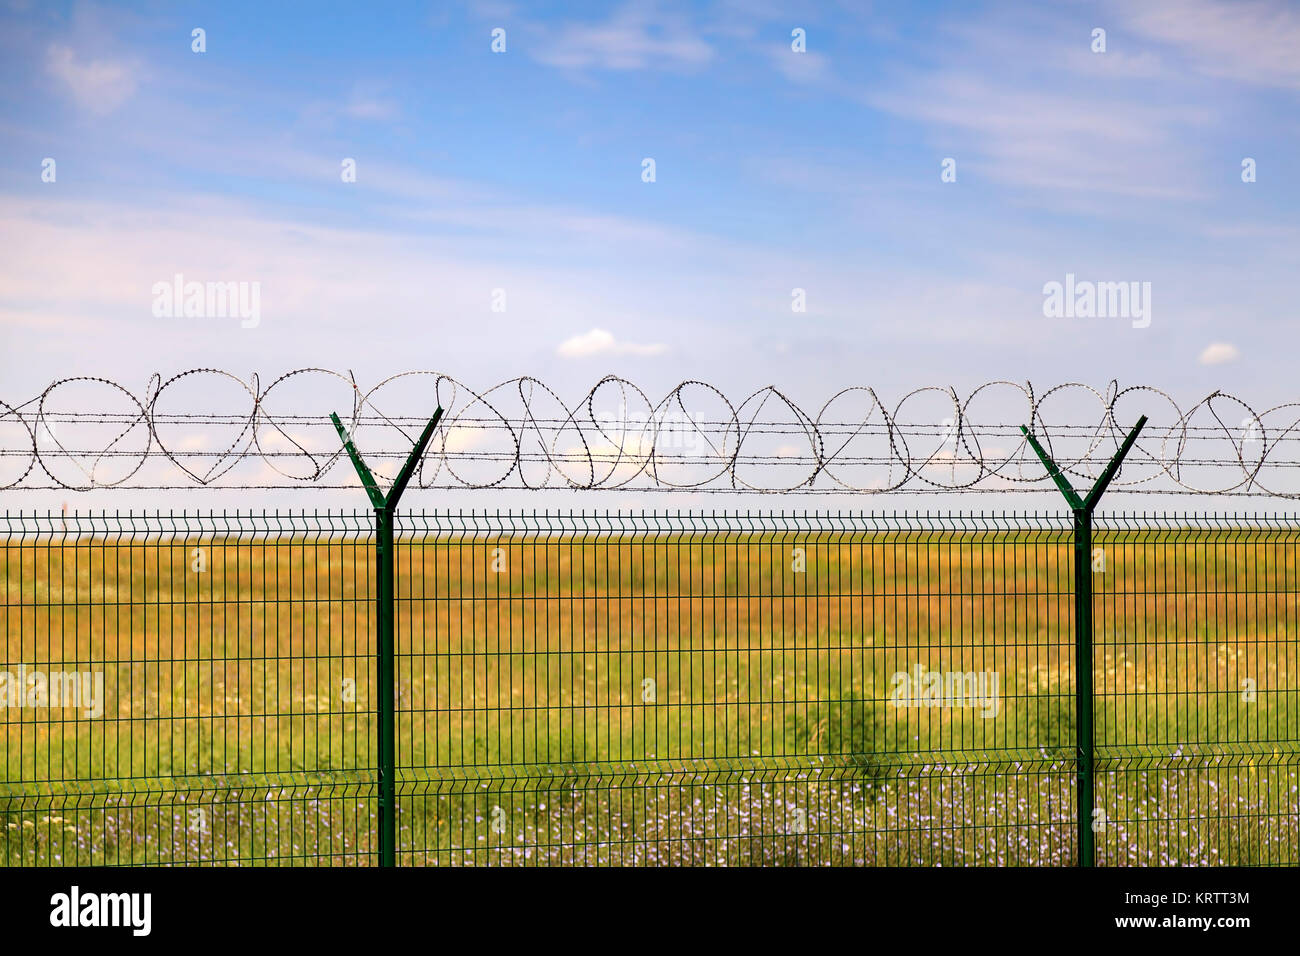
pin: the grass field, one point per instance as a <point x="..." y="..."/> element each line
<point x="632" y="700"/>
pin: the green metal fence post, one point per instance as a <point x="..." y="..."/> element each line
<point x="385" y="613"/>
<point x="1083" y="680"/>
<point x="384" y="559"/>
<point x="1083" y="636"/>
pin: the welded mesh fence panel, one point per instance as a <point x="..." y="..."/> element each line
<point x="1197" y="690"/>
<point x="645" y="689"/>
<point x="186" y="690"/>
<point x="686" y="689"/>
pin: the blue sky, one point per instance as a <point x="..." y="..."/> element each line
<point x="775" y="170"/>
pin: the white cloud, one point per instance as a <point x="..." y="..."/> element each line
<point x="367" y="102"/>
<point x="364" y="108"/>
<point x="1018" y="101"/>
<point x="637" y="37"/>
<point x="801" y="67"/>
<point x="1058" y="138"/>
<point x="1251" y="42"/>
<point x="1217" y="353"/>
<point x="601" y="342"/>
<point x="99" y="86"/>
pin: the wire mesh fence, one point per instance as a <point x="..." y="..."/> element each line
<point x="1197" y="690"/>
<point x="642" y="688"/>
<point x="176" y="690"/>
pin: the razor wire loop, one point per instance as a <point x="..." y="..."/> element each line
<point x="520" y="434"/>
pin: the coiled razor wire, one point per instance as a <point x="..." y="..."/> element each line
<point x="86" y="432"/>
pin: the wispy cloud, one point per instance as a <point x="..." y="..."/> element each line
<point x="638" y="36"/>
<point x="1060" y="139"/>
<point x="100" y="86"/>
<point x="806" y="67"/>
<point x="1252" y="42"/>
<point x="368" y="104"/>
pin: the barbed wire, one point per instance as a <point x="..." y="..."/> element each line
<point x="87" y="432"/>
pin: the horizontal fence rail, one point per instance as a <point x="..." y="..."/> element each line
<point x="646" y="688"/>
